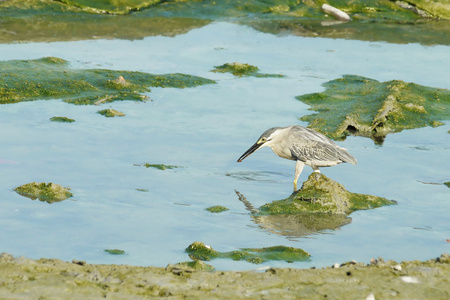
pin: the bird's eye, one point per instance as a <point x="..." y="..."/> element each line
<point x="262" y="140"/>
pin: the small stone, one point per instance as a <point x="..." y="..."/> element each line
<point x="336" y="266"/>
<point x="409" y="279"/>
<point x="397" y="267"/>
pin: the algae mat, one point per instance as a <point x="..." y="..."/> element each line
<point x="366" y="107"/>
<point x="398" y="22"/>
<point x="52" y="78"/>
<point x="55" y="279"/>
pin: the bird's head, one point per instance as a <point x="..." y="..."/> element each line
<point x="264" y="140"/>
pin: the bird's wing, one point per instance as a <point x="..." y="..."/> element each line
<point x="313" y="146"/>
<point x="314" y="151"/>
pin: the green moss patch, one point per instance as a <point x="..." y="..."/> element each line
<point x="110" y="113"/>
<point x="45" y="192"/>
<point x="319" y="194"/>
<point x="62" y="119"/>
<point x="217" y="209"/>
<point x="159" y="166"/>
<point x="114" y="251"/>
<point x="52" y="78"/>
<point x="200" y="251"/>
<point x="240" y="69"/>
<point x="366" y="107"/>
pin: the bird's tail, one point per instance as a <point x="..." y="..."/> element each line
<point x="347" y="157"/>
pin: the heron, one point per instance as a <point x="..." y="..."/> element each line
<point x="304" y="145"/>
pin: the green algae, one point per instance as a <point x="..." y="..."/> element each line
<point x="52" y="78"/>
<point x="200" y="251"/>
<point x="398" y="22"/>
<point x="241" y="69"/>
<point x="160" y="166"/>
<point x="366" y="107"/>
<point x="62" y="119"/>
<point x="110" y="113"/>
<point x="319" y="194"/>
<point x="45" y="192"/>
<point x="110" y="6"/>
<point x="216" y="209"/>
<point x="447" y="184"/>
<point x="114" y="251"/>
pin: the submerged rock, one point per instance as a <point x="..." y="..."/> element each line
<point x="200" y="251"/>
<point x="45" y="192"/>
<point x="52" y="77"/>
<point x="320" y="205"/>
<point x="217" y="209"/>
<point x="158" y="166"/>
<point x="240" y="69"/>
<point x="114" y="251"/>
<point x="62" y="119"/>
<point x="366" y="107"/>
<point x="110" y="113"/>
<point x="319" y="194"/>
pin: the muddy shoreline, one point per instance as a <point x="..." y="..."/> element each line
<point x="23" y="278"/>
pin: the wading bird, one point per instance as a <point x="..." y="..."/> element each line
<point x="304" y="145"/>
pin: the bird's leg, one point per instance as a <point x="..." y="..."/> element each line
<point x="316" y="172"/>
<point x="298" y="170"/>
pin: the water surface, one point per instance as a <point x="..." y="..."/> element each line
<point x="204" y="130"/>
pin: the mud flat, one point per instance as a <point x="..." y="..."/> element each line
<point x="23" y="278"/>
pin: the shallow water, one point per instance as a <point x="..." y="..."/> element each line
<point x="204" y="130"/>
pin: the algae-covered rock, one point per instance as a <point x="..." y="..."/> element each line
<point x="45" y="192"/>
<point x="62" y="119"/>
<point x="111" y="6"/>
<point x="217" y="209"/>
<point x="195" y="265"/>
<point x="114" y="251"/>
<point x="319" y="194"/>
<point x="200" y="251"/>
<point x="52" y="78"/>
<point x="240" y="69"/>
<point x="110" y="113"/>
<point x="366" y="107"/>
<point x="44" y="21"/>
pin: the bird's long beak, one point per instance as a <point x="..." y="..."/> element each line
<point x="252" y="149"/>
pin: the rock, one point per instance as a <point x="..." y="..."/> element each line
<point x="46" y="192"/>
<point x="62" y="120"/>
<point x="52" y="78"/>
<point x="319" y="194"/>
<point x="366" y="107"/>
<point x="217" y="209"/>
<point x="240" y="69"/>
<point x="110" y="113"/>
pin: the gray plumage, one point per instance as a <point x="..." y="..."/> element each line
<point x="304" y="145"/>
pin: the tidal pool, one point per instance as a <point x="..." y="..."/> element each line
<point x="153" y="215"/>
